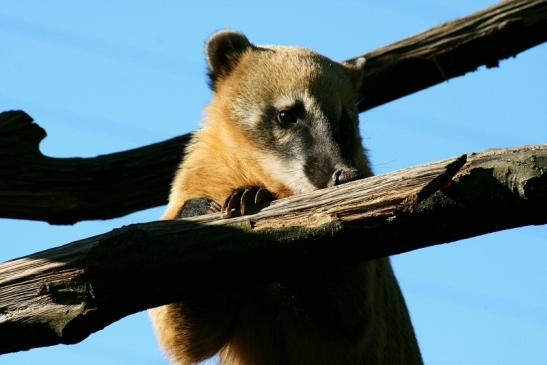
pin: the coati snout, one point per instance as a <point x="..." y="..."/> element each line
<point x="344" y="175"/>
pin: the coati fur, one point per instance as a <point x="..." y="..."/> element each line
<point x="282" y="121"/>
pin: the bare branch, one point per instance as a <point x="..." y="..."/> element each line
<point x="64" y="294"/>
<point x="68" y="190"/>
<point x="452" y="49"/>
<point x="64" y="191"/>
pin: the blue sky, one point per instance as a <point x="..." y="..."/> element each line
<point x="105" y="76"/>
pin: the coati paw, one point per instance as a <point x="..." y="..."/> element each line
<point x="198" y="206"/>
<point x="245" y="200"/>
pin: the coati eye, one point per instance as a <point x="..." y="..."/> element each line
<point x="286" y="117"/>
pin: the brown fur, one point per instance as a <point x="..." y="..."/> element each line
<point x="218" y="160"/>
<point x="352" y="315"/>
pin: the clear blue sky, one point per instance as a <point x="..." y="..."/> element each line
<point x="105" y="76"/>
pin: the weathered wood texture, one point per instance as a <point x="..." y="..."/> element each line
<point x="453" y="49"/>
<point x="64" y="191"/>
<point x="68" y="190"/>
<point x="66" y="293"/>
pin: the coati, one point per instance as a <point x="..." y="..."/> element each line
<point x="282" y="121"/>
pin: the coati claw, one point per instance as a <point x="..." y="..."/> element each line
<point x="245" y="200"/>
<point x="263" y="196"/>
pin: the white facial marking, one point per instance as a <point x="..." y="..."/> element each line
<point x="290" y="173"/>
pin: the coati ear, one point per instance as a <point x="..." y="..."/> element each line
<point x="223" y="51"/>
<point x="356" y="71"/>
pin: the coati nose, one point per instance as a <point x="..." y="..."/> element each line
<point x="342" y="176"/>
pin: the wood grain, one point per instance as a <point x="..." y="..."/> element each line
<point x="66" y="293"/>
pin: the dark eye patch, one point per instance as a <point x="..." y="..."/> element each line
<point x="269" y="129"/>
<point x="289" y="115"/>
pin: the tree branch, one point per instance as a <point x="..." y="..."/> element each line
<point x="66" y="293"/>
<point x="68" y="190"/>
<point x="452" y="49"/>
<point x="64" y="191"/>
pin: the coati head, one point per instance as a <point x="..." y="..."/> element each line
<point x="296" y="106"/>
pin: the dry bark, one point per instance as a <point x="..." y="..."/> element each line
<point x="68" y="190"/>
<point x="65" y="191"/>
<point x="66" y="293"/>
<point x="452" y="49"/>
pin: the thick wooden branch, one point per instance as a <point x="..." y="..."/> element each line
<point x="64" y="294"/>
<point x="64" y="191"/>
<point x="68" y="190"/>
<point x="452" y="49"/>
